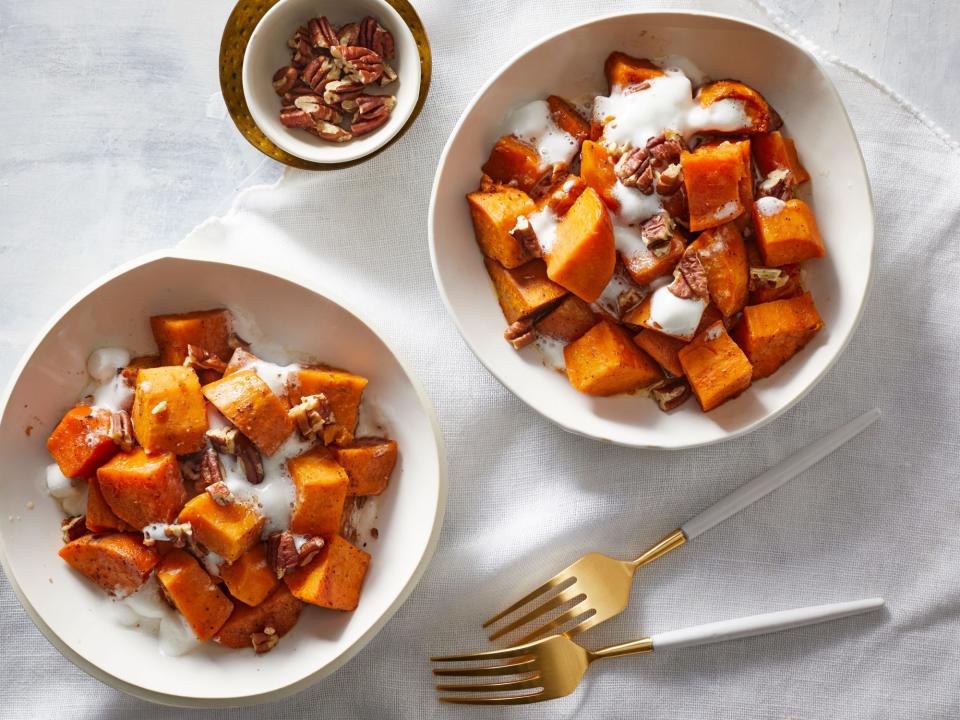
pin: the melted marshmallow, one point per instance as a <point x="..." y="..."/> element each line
<point x="146" y="611"/>
<point x="108" y="388"/>
<point x="769" y="206"/>
<point x="675" y="316"/>
<point x="534" y="124"/>
<point x="620" y="283"/>
<point x="544" y="224"/>
<point x="70" y="494"/>
<point x="635" y="207"/>
<point x="103" y="364"/>
<point x="552" y="351"/>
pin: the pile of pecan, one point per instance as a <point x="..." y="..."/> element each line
<point x="324" y="88"/>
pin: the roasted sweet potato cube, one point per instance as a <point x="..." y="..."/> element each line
<point x="81" y="441"/>
<point x="711" y="176"/>
<point x="193" y="593"/>
<point x="142" y="489"/>
<point x="724" y="258"/>
<point x="209" y="329"/>
<point x="760" y="118"/>
<point x="494" y="216"/>
<point x="334" y="578"/>
<point x="321" y="490"/>
<point x="622" y="70"/>
<point x="606" y="361"/>
<point x="773" y="151"/>
<point x="100" y="518"/>
<point x="665" y="349"/>
<point x="514" y="162"/>
<point x="787" y="232"/>
<point x="249" y="578"/>
<point x="746" y="180"/>
<point x="645" y="266"/>
<point x="119" y="563"/>
<point x="250" y="404"/>
<point x="228" y="530"/>
<point x="169" y="413"/>
<point x="772" y="333"/>
<point x="769" y="284"/>
<point x="368" y="462"/>
<point x="664" y="312"/>
<point x="568" y="321"/>
<point x="343" y="390"/>
<point x="597" y="171"/>
<point x="715" y="366"/>
<point x="568" y="118"/>
<point x="279" y="611"/>
<point x="584" y="255"/>
<point x="561" y="196"/>
<point x="524" y="291"/>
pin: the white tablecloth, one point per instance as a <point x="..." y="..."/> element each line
<point x="878" y="518"/>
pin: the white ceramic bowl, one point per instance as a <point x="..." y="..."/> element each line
<point x="76" y="616"/>
<point x="267" y="51"/>
<point x="570" y="63"/>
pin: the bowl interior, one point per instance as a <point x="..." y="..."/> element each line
<point x="571" y="64"/>
<point x="76" y="614"/>
<point x="267" y="51"/>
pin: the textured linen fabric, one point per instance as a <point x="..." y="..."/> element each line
<point x="879" y="517"/>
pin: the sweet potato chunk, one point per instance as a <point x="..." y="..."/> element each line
<point x="568" y="118"/>
<point x="561" y="196"/>
<point x="321" y="485"/>
<point x="494" y="216"/>
<point x="760" y="117"/>
<point x="193" y="593"/>
<point x="228" y="530"/>
<point x="514" y="162"/>
<point x="119" y="563"/>
<point x="787" y="232"/>
<point x="605" y="361"/>
<point x="142" y="489"/>
<point x="646" y="266"/>
<point x="715" y="366"/>
<point x="99" y="517"/>
<point x="209" y="329"/>
<point x="249" y="578"/>
<point x="665" y="349"/>
<point x="584" y="255"/>
<point x="169" y="413"/>
<point x="597" y="171"/>
<point x="773" y="151"/>
<point x="711" y="176"/>
<point x="524" y="291"/>
<point x="568" y="321"/>
<point x="343" y="390"/>
<point x="724" y="259"/>
<point x="250" y="404"/>
<point x="334" y="578"/>
<point x="279" y="611"/>
<point x="622" y="70"/>
<point x="368" y="462"/>
<point x="772" y="333"/>
<point x="81" y="441"/>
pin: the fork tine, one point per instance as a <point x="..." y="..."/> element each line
<point x="525" y="684"/>
<point x="584" y="624"/>
<point x="557" y="579"/>
<point x="513" y="652"/>
<point x="559" y="622"/>
<point x="554" y="602"/>
<point x="508" y="669"/>
<point x="484" y="700"/>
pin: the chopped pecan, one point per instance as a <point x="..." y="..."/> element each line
<point x="121" y="430"/>
<point x="321" y="33"/>
<point x="321" y="71"/>
<point x="664" y="150"/>
<point x="220" y="493"/>
<point x="210" y="471"/>
<point x="285" y="79"/>
<point x="190" y="466"/>
<point x="359" y="63"/>
<point x="287" y="552"/>
<point x="339" y="90"/>
<point x="657" y="231"/>
<point x="524" y="234"/>
<point x="73" y="528"/>
<point x="299" y="34"/>
<point x="224" y="439"/>
<point x="250" y="460"/>
<point x="265" y="641"/>
<point x="369" y="112"/>
<point x="669" y="179"/>
<point x="670" y="393"/>
<point x="762" y="277"/>
<point x="629" y="299"/>
<point x="309" y="549"/>
<point x="311" y="414"/>
<point x="374" y="36"/>
<point x="634" y="170"/>
<point x="331" y="132"/>
<point x="198" y="357"/>
<point x="180" y="534"/>
<point x="779" y="183"/>
<point x="520" y="334"/>
<point x="680" y="288"/>
<point x="349" y="34"/>
<point x="691" y="268"/>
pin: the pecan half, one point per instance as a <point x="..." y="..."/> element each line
<point x="657" y="231"/>
<point x="376" y="37"/>
<point x="349" y="34"/>
<point x="317" y="109"/>
<point x="285" y="79"/>
<point x="331" y="132"/>
<point x="524" y="234"/>
<point x="299" y="34"/>
<point x="293" y="117"/>
<point x="309" y="549"/>
<point x="680" y="288"/>
<point x="634" y="170"/>
<point x="250" y="460"/>
<point x="264" y="642"/>
<point x="670" y="393"/>
<point x="664" y="150"/>
<point x="369" y="112"/>
<point x="224" y="439"/>
<point x="520" y="334"/>
<point x="359" y="63"/>
<point x="779" y="183"/>
<point x="220" y="494"/>
<point x="321" y="71"/>
<point x="121" y="430"/>
<point x="321" y="33"/>
<point x="73" y="528"/>
<point x="337" y="91"/>
<point x="198" y="357"/>
<point x="669" y="179"/>
<point x="676" y="205"/>
<point x="210" y="471"/>
<point x="691" y="268"/>
<point x="311" y="414"/>
<point x="287" y="552"/>
<point x="303" y="53"/>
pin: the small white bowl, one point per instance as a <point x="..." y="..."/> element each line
<point x="267" y="51"/>
<point x="74" y="615"/>
<point x="570" y="63"/>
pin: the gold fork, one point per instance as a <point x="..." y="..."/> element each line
<point x="599" y="586"/>
<point x="552" y="667"/>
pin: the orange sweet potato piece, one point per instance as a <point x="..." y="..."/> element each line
<point x="343" y="389"/>
<point x="193" y="593"/>
<point x="605" y="361"/>
<point x="99" y="517"/>
<point x="597" y="171"/>
<point x="584" y="255"/>
<point x="787" y="232"/>
<point x="209" y="329"/>
<point x="249" y="578"/>
<point x="81" y="441"/>
<point x="746" y="179"/>
<point x="568" y="118"/>
<point x="494" y="216"/>
<point x="761" y="117"/>
<point x="142" y="489"/>
<point x="772" y="333"/>
<point x="368" y="462"/>
<point x="514" y="162"/>
<point x="568" y="321"/>
<point x="773" y="151"/>
<point x="334" y="578"/>
<point x="724" y="258"/>
<point x="279" y="611"/>
<point x="786" y="284"/>
<point x="119" y="563"/>
<point x="250" y="404"/>
<point x="561" y="196"/>
<point x="169" y="413"/>
<point x="228" y="530"/>
<point x="715" y="366"/>
<point x="711" y="176"/>
<point x="665" y="349"/>
<point x="524" y="291"/>
<point x="646" y="266"/>
<point x="622" y="70"/>
<point x="321" y="487"/>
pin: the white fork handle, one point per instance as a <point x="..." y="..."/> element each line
<point x="773" y="478"/>
<point x="761" y="624"/>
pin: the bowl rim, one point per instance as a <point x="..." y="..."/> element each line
<point x="364" y="639"/>
<point x="871" y="229"/>
<point x="280" y="139"/>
